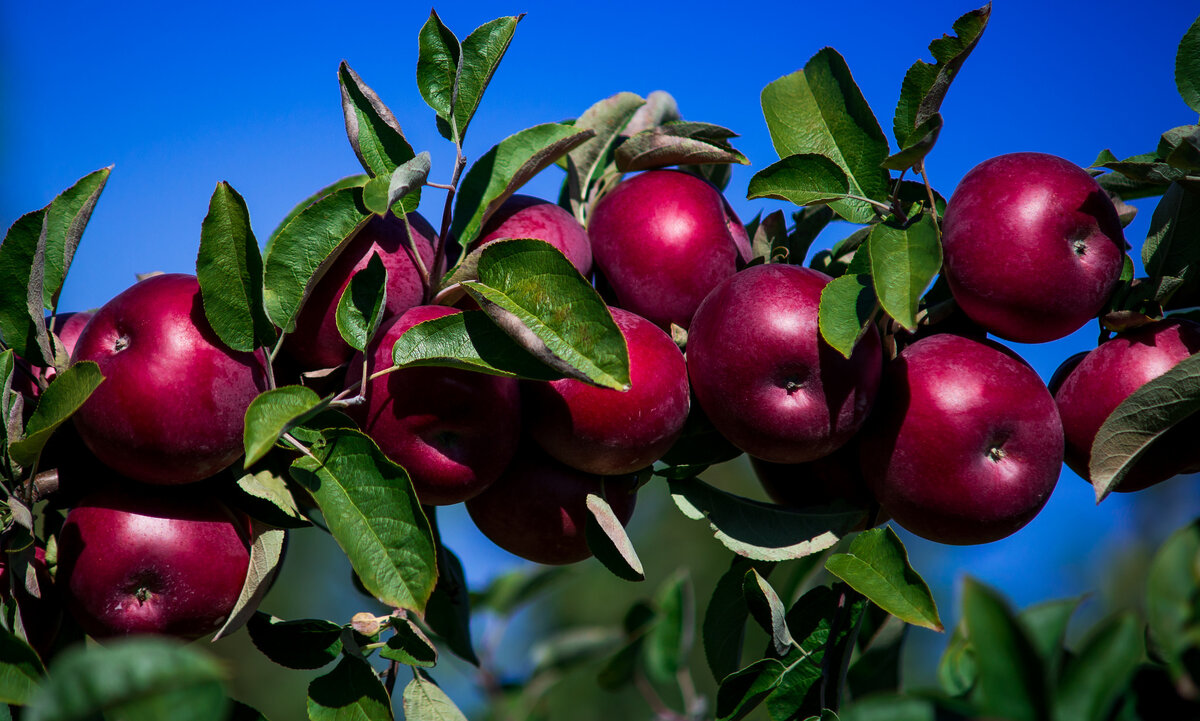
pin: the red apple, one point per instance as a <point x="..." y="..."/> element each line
<point x="965" y="443"/>
<point x="1033" y="246"/>
<point x="172" y="405"/>
<point x="610" y="432"/>
<point x="663" y="240"/>
<point x="152" y="560"/>
<point x="522" y="216"/>
<point x="834" y="479"/>
<point x="765" y="377"/>
<point x="1096" y="385"/>
<point x="316" y="342"/>
<point x="453" y="430"/>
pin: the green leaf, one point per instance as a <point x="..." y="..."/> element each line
<point x="1170" y="250"/>
<point x="67" y="216"/>
<point x="350" y="692"/>
<point x="677" y="143"/>
<point x="1173" y="603"/>
<point x="880" y="644"/>
<point x="573" y="647"/>
<point x="409" y="645"/>
<point x="1187" y="67"/>
<point x="373" y="513"/>
<point x="812" y="622"/>
<point x="761" y="531"/>
<point x="922" y="141"/>
<point x="304" y="644"/>
<point x="504" y="169"/>
<point x="741" y="692"/>
<point x="904" y="261"/>
<point x="448" y="613"/>
<point x="821" y="110"/>
<point x="408" y="177"/>
<point x="360" y="309"/>
<point x="530" y="289"/>
<point x="893" y="707"/>
<point x="375" y="195"/>
<point x="471" y="341"/>
<point x="847" y="305"/>
<point x="438" y="66"/>
<point x="264" y="494"/>
<point x="482" y="52"/>
<point x="1141" y="418"/>
<point x="308" y="242"/>
<point x="724" y="627"/>
<point x="1047" y="626"/>
<point x="767" y="609"/>
<point x="266" y="554"/>
<point x="20" y="669"/>
<point x="18" y="316"/>
<point x="608" y="541"/>
<point x="876" y="566"/>
<point x="373" y="130"/>
<point x="229" y="268"/>
<point x="272" y="413"/>
<point x="424" y="700"/>
<point x="769" y="238"/>
<point x="1012" y="681"/>
<point x="803" y="179"/>
<point x="509" y="591"/>
<point x="957" y="670"/>
<point x="133" y="679"/>
<point x="1185" y="153"/>
<point x="607" y="118"/>
<point x="1101" y="671"/>
<point x="669" y="640"/>
<point x="61" y="399"/>
<point x="351" y="181"/>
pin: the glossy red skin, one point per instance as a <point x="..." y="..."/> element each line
<point x="41" y="615"/>
<point x="172" y="406"/>
<point x="538" y="508"/>
<point x="142" y="560"/>
<point x="663" y="240"/>
<point x="1108" y="375"/>
<point x="1033" y="247"/>
<point x="756" y="333"/>
<point x="610" y="432"/>
<point x="453" y="430"/>
<point x="929" y="453"/>
<point x="316" y="342"/>
<point x="523" y="216"/>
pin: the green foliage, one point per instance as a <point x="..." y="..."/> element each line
<point x="877" y="567"/>
<point x="62" y="398"/>
<point x="608" y="541"/>
<point x="20" y="670"/>
<point x="847" y="306"/>
<point x="904" y="261"/>
<point x="1187" y="67"/>
<point x="424" y="700"/>
<point x="677" y="143"/>
<point x="374" y="132"/>
<point x="360" y="309"/>
<point x="350" y="692"/>
<point x="273" y="413"/>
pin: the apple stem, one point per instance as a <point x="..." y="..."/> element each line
<point x="920" y="168"/>
<point x="299" y="446"/>
<point x="460" y="162"/>
<point x="440" y="186"/>
<point x="410" y="247"/>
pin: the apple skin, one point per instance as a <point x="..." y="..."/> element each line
<point x="523" y="216"/>
<point x="316" y="342"/>
<point x="663" y="240"/>
<point x="610" y="432"/>
<point x="835" y="479"/>
<point x="1033" y="247"/>
<point x="42" y="616"/>
<point x="1091" y="390"/>
<point x="965" y="444"/>
<point x="152" y="560"/>
<point x="765" y="377"/>
<point x="172" y="406"/>
<point x="538" y="508"/>
<point x="453" y="430"/>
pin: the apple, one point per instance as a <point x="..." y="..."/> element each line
<point x="1097" y="383"/>
<point x="316" y="343"/>
<point x="1033" y="246"/>
<point x="610" y="432"/>
<point x="152" y="560"/>
<point x="453" y="430"/>
<point x="67" y="326"/>
<point x="538" y="508"/>
<point x="835" y="479"/>
<point x="965" y="444"/>
<point x="172" y="405"/>
<point x="42" y="614"/>
<point x="765" y="377"/>
<point x="663" y="240"/>
<point x="523" y="216"/>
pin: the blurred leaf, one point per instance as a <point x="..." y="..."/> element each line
<point x="724" y="626"/>
<point x="847" y="305"/>
<point x="350" y="692"/>
<point x="472" y="341"/>
<point x="677" y="143"/>
<point x="767" y="609"/>
<point x="509" y="591"/>
<point x="608" y="541"/>
<point x="439" y="64"/>
<point x="373" y="513"/>
<point x="669" y="640"/>
<point x="803" y="179"/>
<point x="904" y="261"/>
<point x="360" y="309"/>
<point x="351" y="181"/>
<point x="1097" y="676"/>
<point x="957" y="670"/>
<point x="242" y="712"/>
<point x="425" y="701"/>
<point x="272" y="413"/>
<point x="894" y="707"/>
<point x="448" y="613"/>
<point x="409" y="645"/>
<point x="572" y="647"/>
<point x="1046" y="624"/>
<point x="1187" y="67"/>
<point x="20" y="669"/>
<point x="1173" y="600"/>
<point x="266" y="554"/>
<point x="880" y="645"/>
<point x="607" y="119"/>
<point x="620" y="668"/>
<point x="741" y="692"/>
<point x="304" y="644"/>
<point x="373" y="130"/>
<point x="58" y="402"/>
<point x="1012" y="680"/>
<point x="1170" y="249"/>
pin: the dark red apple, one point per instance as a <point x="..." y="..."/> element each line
<point x="523" y="216"/>
<point x="172" y="405"/>
<point x="834" y="479"/>
<point x="152" y="560"/>
<point x="453" y="430"/>
<point x="610" y="432"/>
<point x="964" y="444"/>
<point x="42" y="614"/>
<point x="1033" y="246"/>
<point x="316" y="342"/>
<point x="538" y="508"/>
<point x="765" y="377"/>
<point x="1096" y="385"/>
<point x="663" y="240"/>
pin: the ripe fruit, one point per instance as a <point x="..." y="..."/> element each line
<point x="965" y="443"/>
<point x="610" y="432"/>
<point x="1103" y="378"/>
<point x="538" y="508"/>
<point x="453" y="430"/>
<point x="316" y="343"/>
<point x="664" y="239"/>
<point x="765" y="377"/>
<point x="152" y="560"/>
<point x="1033" y="246"/>
<point x="523" y="216"/>
<point x="172" y="405"/>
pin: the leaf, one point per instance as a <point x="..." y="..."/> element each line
<point x="922" y="141"/>
<point x="272" y="413"/>
<point x="509" y="591"/>
<point x="351" y="181"/>
<point x="1012" y="682"/>
<point x="67" y="216"/>
<point x="230" y="272"/>
<point x="957" y="670"/>
<point x="893" y="707"/>
<point x="812" y="622"/>
<point x="304" y="644"/>
<point x="573" y="647"/>
<point x="847" y="305"/>
<point x="607" y="118"/>
<point x="482" y="52"/>
<point x="669" y="640"/>
<point x="448" y="613"/>
<point x="409" y="645"/>
<point x="724" y="626"/>
<point x="877" y="567"/>
<point x="18" y="326"/>
<point x="677" y="143"/>
<point x="424" y="700"/>
<point x="266" y="554"/>
<point x="741" y="692"/>
<point x="265" y="495"/>
<point x="1172" y="600"/>
<point x="537" y="296"/>
<point x="803" y="179"/>
<point x="1046" y="624"/>
<point x="438" y="66"/>
<point x="504" y="169"/>
<point x="58" y="402"/>
<point x="769" y="237"/>
<point x="1141" y="418"/>
<point x="1100" y="673"/>
<point x="350" y="692"/>
<point x="360" y="309"/>
<point x="20" y="669"/>
<point x="471" y="341"/>
<point x="409" y="176"/>
<point x="761" y="531"/>
<point x="821" y="110"/>
<point x="373" y="130"/>
<point x="767" y="609"/>
<point x="904" y="261"/>
<point x="1170" y="250"/>
<point x="608" y="541"/>
<point x="132" y="679"/>
<point x="373" y="513"/>
<point x="1187" y="67"/>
